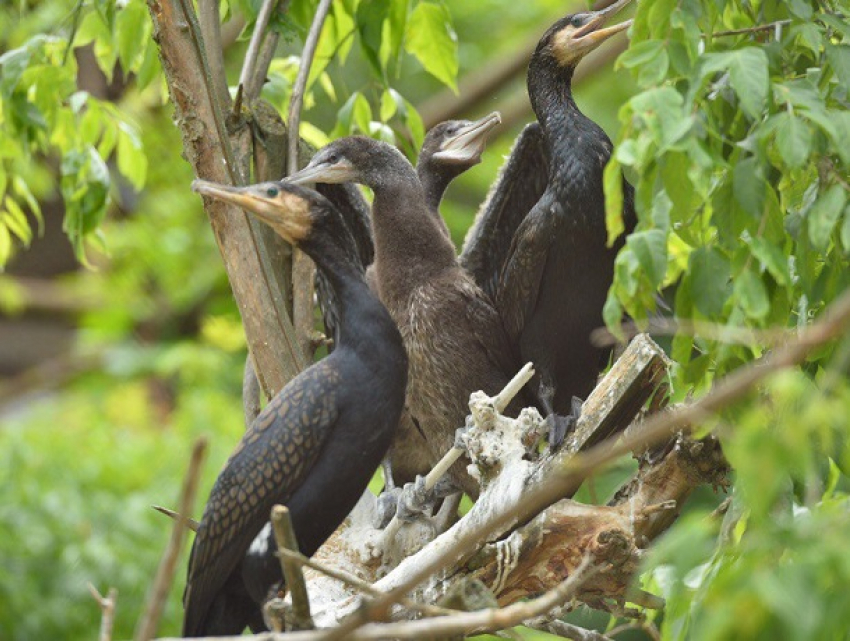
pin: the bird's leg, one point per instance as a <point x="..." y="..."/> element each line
<point x="418" y="500"/>
<point x="559" y="425"/>
<point x="447" y="515"/>
<point x="388" y="500"/>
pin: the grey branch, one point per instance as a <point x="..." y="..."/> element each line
<point x="208" y="16"/>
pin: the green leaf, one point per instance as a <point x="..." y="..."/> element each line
<point x="12" y="66"/>
<point x="824" y="214"/>
<point x="612" y="179"/>
<point x="650" y="248"/>
<point x="845" y="231"/>
<point x="710" y="275"/>
<point x="839" y="58"/>
<point x="661" y="110"/>
<point x="772" y="258"/>
<point x="16" y="221"/>
<point x="752" y="295"/>
<point x="131" y="25"/>
<point x="749" y="186"/>
<point x="793" y="139"/>
<point x="370" y="23"/>
<point x="431" y="39"/>
<point x="132" y="161"/>
<point x="640" y="54"/>
<point x="389" y="105"/>
<point x="841" y="140"/>
<point x="749" y="77"/>
<point x="362" y="113"/>
<point x="5" y="244"/>
<point x="612" y="314"/>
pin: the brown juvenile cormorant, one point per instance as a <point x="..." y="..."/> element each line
<point x="454" y="337"/>
<point x="449" y="149"/>
<point x="555" y="280"/>
<point x="316" y="445"/>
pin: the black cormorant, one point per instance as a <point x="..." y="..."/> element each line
<point x="555" y="279"/>
<point x="454" y="337"/>
<point x="316" y="445"/>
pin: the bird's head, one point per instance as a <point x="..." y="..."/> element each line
<point x="459" y="142"/>
<point x="292" y="211"/>
<point x="574" y="36"/>
<point x="352" y="159"/>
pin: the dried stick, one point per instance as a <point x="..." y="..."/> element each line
<point x="566" y="630"/>
<point x="297" y="99"/>
<point x="770" y="26"/>
<point x="602" y="336"/>
<point x="250" y="61"/>
<point x="208" y="17"/>
<point x="832" y="324"/>
<point x="500" y="402"/>
<point x="190" y="523"/>
<point x="256" y="79"/>
<point x="284" y="535"/>
<point x="459" y="623"/>
<point x="107" y="608"/>
<point x="158" y="595"/>
<point x="302" y="266"/>
<point x="358" y="583"/>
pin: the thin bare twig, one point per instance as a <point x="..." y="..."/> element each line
<point x="657" y="428"/>
<point x="602" y="337"/>
<point x="564" y="629"/>
<point x="190" y="523"/>
<point x="251" y="55"/>
<point x="284" y="535"/>
<point x="296" y="101"/>
<point x="770" y="26"/>
<point x="158" y="594"/>
<point x="107" y="608"/>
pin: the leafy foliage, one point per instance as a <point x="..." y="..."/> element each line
<point x="738" y="140"/>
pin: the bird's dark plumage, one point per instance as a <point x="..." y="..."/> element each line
<point x="315" y="446"/>
<point x="521" y="182"/>
<point x="453" y="335"/>
<point x="554" y="282"/>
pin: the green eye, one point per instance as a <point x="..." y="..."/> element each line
<point x="271" y="192"/>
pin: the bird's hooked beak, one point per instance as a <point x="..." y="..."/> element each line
<point x="469" y="142"/>
<point x="320" y="170"/>
<point x="287" y="213"/>
<point x="571" y="44"/>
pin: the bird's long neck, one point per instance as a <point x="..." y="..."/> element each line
<point x="434" y="183"/>
<point x="573" y="138"/>
<point x="356" y="305"/>
<point x="410" y="247"/>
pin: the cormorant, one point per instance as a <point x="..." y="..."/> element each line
<point x="454" y="337"/>
<point x="555" y="279"/>
<point x="449" y="149"/>
<point x="316" y="445"/>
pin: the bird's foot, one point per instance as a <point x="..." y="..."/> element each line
<point x="416" y="501"/>
<point x="560" y="425"/>
<point x="387" y="506"/>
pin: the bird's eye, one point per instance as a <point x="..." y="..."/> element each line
<point x="332" y="159"/>
<point x="271" y="192"/>
<point x="577" y="21"/>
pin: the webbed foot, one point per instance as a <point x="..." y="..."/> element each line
<point x="417" y="501"/>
